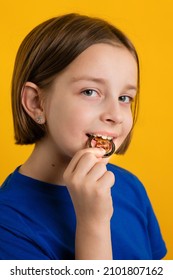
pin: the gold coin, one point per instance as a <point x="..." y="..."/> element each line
<point x="98" y="142"/>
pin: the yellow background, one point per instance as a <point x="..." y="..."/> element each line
<point x="149" y="24"/>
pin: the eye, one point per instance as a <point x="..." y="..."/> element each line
<point x="90" y="92"/>
<point x="126" y="99"/>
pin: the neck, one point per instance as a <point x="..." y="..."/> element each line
<point x="45" y="165"/>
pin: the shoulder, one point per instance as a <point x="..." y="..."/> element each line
<point x="132" y="204"/>
<point x="121" y="171"/>
<point x="9" y="184"/>
<point x="5" y="184"/>
<point x="128" y="185"/>
<point x="125" y="176"/>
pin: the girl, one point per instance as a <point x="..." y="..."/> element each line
<point x="75" y="95"/>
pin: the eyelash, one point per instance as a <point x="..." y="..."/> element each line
<point x="89" y="90"/>
<point x="122" y="99"/>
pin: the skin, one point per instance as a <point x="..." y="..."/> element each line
<point x="92" y="95"/>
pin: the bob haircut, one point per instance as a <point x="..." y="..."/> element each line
<point x="47" y="50"/>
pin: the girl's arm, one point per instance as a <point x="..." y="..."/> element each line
<point x="89" y="184"/>
<point x="93" y="243"/>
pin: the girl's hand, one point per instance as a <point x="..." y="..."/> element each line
<point x="89" y="184"/>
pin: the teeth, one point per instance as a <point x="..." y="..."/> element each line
<point x="103" y="136"/>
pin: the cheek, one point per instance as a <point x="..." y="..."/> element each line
<point x="72" y="120"/>
<point x="128" y="123"/>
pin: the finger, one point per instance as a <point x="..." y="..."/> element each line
<point x="107" y="180"/>
<point x="84" y="165"/>
<point x="98" y="152"/>
<point x="97" y="171"/>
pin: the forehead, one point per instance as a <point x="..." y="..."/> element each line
<point x="103" y="61"/>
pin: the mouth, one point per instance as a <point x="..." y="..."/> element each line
<point x="101" y="141"/>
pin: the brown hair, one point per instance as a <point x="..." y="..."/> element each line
<point x="48" y="49"/>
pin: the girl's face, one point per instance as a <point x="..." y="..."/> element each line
<point x="92" y="95"/>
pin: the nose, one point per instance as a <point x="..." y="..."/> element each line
<point x="112" y="112"/>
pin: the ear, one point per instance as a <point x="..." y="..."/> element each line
<point x="32" y="103"/>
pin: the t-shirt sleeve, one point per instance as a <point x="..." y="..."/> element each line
<point x="15" y="246"/>
<point x="142" y="219"/>
<point x="15" y="242"/>
<point x="158" y="246"/>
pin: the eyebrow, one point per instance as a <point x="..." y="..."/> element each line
<point x="130" y="87"/>
<point x="87" y="78"/>
<point x="100" y="81"/>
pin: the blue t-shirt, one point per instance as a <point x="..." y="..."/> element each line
<point x="37" y="220"/>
